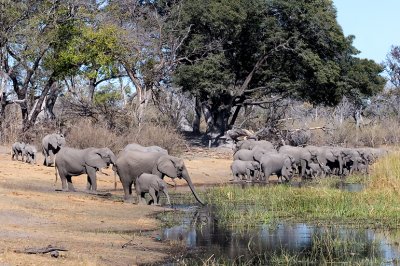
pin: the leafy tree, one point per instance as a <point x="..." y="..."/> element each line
<point x="240" y="53"/>
<point x="392" y="66"/>
<point x="45" y="42"/>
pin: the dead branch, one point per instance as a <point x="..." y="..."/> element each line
<point x="44" y="250"/>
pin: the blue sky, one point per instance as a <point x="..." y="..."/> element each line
<point x="376" y="25"/>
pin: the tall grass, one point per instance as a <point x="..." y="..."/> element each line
<point x="386" y="175"/>
<point x="377" y="205"/>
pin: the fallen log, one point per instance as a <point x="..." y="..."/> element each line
<point x="44" y="250"/>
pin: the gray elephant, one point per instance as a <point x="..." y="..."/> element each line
<point x="280" y="164"/>
<point x="315" y="170"/>
<point x="30" y="154"/>
<point x="301" y="156"/>
<point x="251" y="155"/>
<point x="138" y="147"/>
<point x="351" y="159"/>
<point x="152" y="184"/>
<point x="369" y="156"/>
<point x="131" y="164"/>
<point x="73" y="162"/>
<point x="51" y="144"/>
<point x="248" y="170"/>
<point x="249" y="144"/>
<point x="17" y="149"/>
<point x="328" y="156"/>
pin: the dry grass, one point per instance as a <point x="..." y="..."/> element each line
<point x="86" y="134"/>
<point x="386" y="174"/>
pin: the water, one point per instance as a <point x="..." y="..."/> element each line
<point x="200" y="232"/>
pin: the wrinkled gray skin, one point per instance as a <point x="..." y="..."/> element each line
<point x="251" y="155"/>
<point x="328" y="156"/>
<point x="351" y="159"/>
<point x="17" y="149"/>
<point x="248" y="170"/>
<point x="152" y="184"/>
<point x="280" y="164"/>
<point x="30" y="154"/>
<point x="73" y="162"/>
<point x="315" y="170"/>
<point x="51" y="144"/>
<point x="131" y="164"/>
<point x="369" y="156"/>
<point x="138" y="147"/>
<point x="301" y="156"/>
<point x="249" y="144"/>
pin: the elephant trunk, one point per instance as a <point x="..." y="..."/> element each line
<point x="113" y="159"/>
<point x="191" y="186"/>
<point x="341" y="163"/>
<point x="168" y="199"/>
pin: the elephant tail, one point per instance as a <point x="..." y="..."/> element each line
<point x="55" y="172"/>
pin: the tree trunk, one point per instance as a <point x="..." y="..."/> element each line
<point x="197" y="116"/>
<point x="50" y="102"/>
<point x="217" y="116"/>
<point x="28" y="123"/>
<point x="92" y="87"/>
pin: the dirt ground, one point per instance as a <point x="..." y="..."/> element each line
<point x="96" y="230"/>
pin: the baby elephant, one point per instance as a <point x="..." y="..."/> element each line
<point x="18" y="149"/>
<point x="152" y="184"/>
<point x="245" y="170"/>
<point x="30" y="154"/>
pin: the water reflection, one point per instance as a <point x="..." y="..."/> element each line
<point x="199" y="229"/>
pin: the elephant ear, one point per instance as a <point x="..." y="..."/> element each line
<point x="166" y="166"/>
<point x="53" y="141"/>
<point x="95" y="160"/>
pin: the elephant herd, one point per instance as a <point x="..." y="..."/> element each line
<point x="258" y="160"/>
<point x="135" y="164"/>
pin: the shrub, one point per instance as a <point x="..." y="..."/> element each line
<point x="88" y="134"/>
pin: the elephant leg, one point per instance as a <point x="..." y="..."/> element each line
<point x="69" y="182"/>
<point x="46" y="157"/>
<point x="303" y="166"/>
<point x="158" y="198"/>
<point x="143" y="199"/>
<point x="127" y="186"/>
<point x="91" y="172"/>
<point x="89" y="183"/>
<point x="51" y="160"/>
<point x="152" y="193"/>
<point x="63" y="181"/>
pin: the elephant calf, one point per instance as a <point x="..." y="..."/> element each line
<point x="245" y="170"/>
<point x="18" y="149"/>
<point x="315" y="170"/>
<point x="152" y="184"/>
<point x="30" y="154"/>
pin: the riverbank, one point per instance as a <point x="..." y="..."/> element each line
<point x="96" y="230"/>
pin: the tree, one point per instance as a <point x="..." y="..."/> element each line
<point x="392" y="66"/>
<point x="46" y="41"/>
<point x="242" y="53"/>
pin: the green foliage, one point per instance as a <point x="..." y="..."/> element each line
<point x="107" y="95"/>
<point x="289" y="47"/>
<point x="88" y="50"/>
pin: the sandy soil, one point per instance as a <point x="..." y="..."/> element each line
<point x="93" y="228"/>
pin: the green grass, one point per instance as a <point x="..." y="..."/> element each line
<point x="377" y="205"/>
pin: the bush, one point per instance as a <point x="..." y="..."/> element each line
<point x="88" y="134"/>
